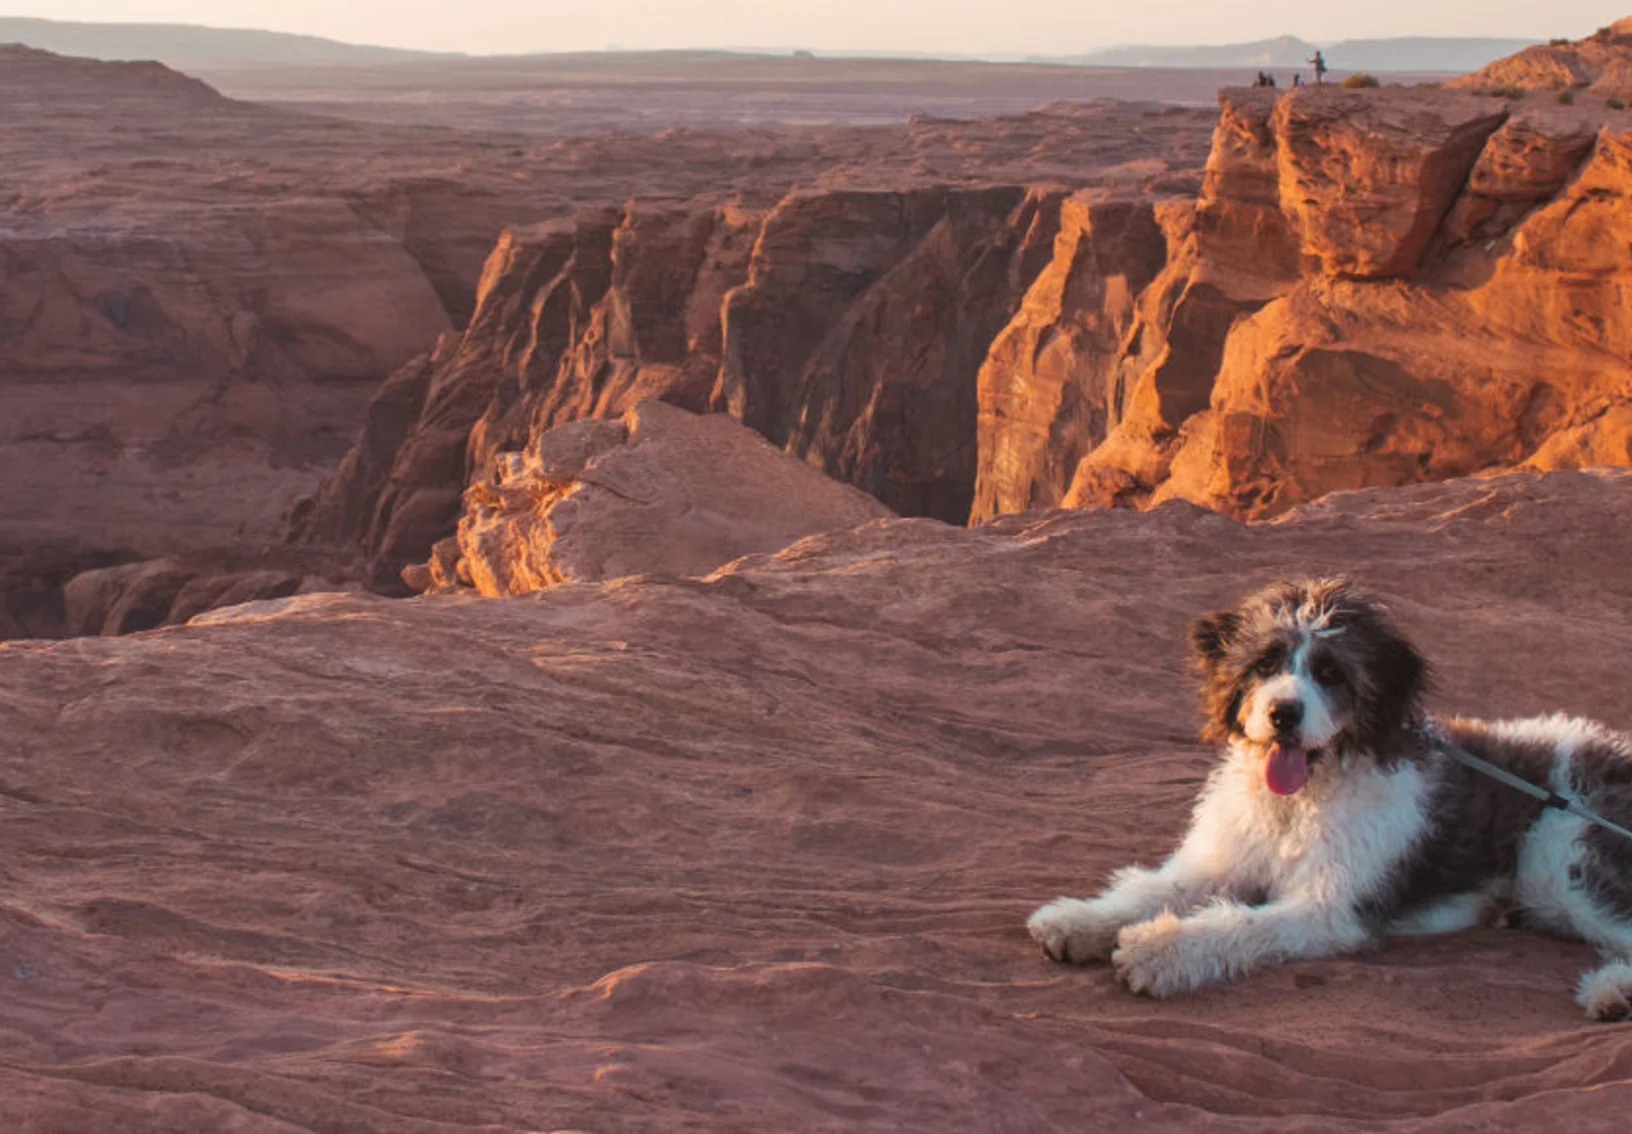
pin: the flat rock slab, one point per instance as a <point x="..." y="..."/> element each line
<point x="753" y="852"/>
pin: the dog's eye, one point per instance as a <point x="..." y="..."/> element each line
<point x="1268" y="665"/>
<point x="1327" y="674"/>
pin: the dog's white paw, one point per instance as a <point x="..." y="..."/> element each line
<point x="1069" y="930"/>
<point x="1606" y="993"/>
<point x="1151" y="958"/>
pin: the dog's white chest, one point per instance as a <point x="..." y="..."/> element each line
<point x="1343" y="831"/>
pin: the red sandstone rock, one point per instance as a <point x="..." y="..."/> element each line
<point x="1367" y="176"/>
<point x="754" y="852"/>
<point x="856" y="339"/>
<point x="1600" y="65"/>
<point x="1526" y="162"/>
<point x="187" y="332"/>
<point x="198" y="295"/>
<point x="1226" y="254"/>
<point x="140" y="596"/>
<point x="846" y="327"/>
<point x="660" y="491"/>
<point x="1250" y="380"/>
<point x="1248" y="350"/>
<point x="37" y="80"/>
<point x="1048" y="385"/>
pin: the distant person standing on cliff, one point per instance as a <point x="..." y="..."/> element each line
<point x="1319" y="62"/>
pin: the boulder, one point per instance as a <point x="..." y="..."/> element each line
<point x="659" y="491"/>
<point x="1366" y="176"/>
<point x="1524" y="163"/>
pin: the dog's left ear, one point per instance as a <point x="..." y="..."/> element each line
<point x="1402" y="680"/>
<point x="1212" y="634"/>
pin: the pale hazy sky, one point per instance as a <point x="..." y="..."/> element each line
<point x="961" y="26"/>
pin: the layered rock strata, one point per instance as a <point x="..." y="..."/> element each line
<point x="844" y="326"/>
<point x="1370" y="288"/>
<point x="198" y="296"/>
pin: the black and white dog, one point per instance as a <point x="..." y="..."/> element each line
<point x="1333" y="819"/>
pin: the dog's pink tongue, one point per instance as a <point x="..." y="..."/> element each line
<point x="1287" y="770"/>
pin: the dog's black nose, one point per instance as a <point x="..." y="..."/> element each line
<point x="1286" y="715"/>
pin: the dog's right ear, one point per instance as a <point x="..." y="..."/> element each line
<point x="1211" y="636"/>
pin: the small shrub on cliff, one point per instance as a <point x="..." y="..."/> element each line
<point x="1567" y="98"/>
<point x="1561" y="41"/>
<point x="1356" y="82"/>
<point x="1506" y="92"/>
<point x="1616" y="104"/>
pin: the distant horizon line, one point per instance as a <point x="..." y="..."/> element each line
<point x="774" y="49"/>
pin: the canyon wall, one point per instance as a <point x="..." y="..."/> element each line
<point x="1361" y="288"/>
<point x="197" y="298"/>
<point x="1370" y="288"/>
<point x="1374" y="287"/>
<point x="201" y="297"/>
<point x="846" y="326"/>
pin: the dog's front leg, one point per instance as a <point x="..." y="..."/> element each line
<point x="1168" y="954"/>
<point x="1084" y="930"/>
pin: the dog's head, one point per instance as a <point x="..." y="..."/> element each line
<point x="1301" y="671"/>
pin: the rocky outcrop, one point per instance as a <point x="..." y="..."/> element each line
<point x="1161" y="329"/>
<point x="1366" y="178"/>
<point x="184" y="342"/>
<point x="846" y="327"/>
<point x="198" y="296"/>
<point x="1526" y="162"/>
<point x="754" y="852"/>
<point x="132" y="597"/>
<point x="1348" y="301"/>
<point x="1047" y="384"/>
<point x="553" y="303"/>
<point x="1599" y="66"/>
<point x="659" y="491"/>
<point x="1373" y="288"/>
<point x="31" y="582"/>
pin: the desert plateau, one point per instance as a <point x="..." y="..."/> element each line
<point x="595" y="591"/>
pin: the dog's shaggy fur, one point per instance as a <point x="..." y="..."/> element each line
<point x="1333" y="820"/>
